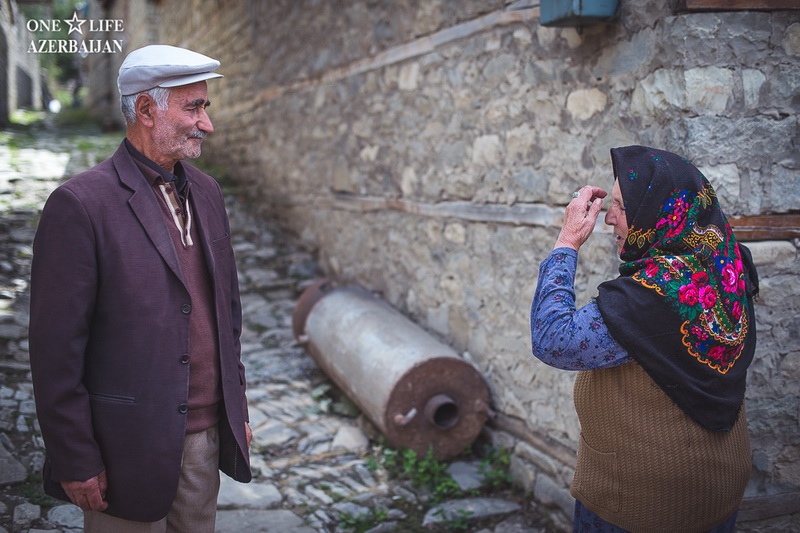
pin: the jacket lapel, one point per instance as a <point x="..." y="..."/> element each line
<point x="202" y="206"/>
<point x="145" y="206"/>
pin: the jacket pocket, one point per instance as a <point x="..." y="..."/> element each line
<point x="596" y="482"/>
<point x="114" y="398"/>
<point x="220" y="244"/>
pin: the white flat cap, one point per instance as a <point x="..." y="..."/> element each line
<point x="161" y="65"/>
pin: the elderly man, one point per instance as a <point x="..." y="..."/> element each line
<point x="135" y="317"/>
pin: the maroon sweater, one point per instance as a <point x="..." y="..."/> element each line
<point x="205" y="391"/>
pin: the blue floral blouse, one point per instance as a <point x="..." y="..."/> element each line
<point x="565" y="337"/>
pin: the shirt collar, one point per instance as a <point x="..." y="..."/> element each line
<point x="152" y="171"/>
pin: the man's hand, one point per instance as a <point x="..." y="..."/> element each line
<point x="89" y="495"/>
<point x="248" y="434"/>
<point x="580" y="217"/>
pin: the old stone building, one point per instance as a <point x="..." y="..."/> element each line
<point x="426" y="148"/>
<point x="20" y="76"/>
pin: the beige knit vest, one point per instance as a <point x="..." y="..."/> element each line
<point x="647" y="467"/>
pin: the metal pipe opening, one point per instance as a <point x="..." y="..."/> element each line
<point x="442" y="411"/>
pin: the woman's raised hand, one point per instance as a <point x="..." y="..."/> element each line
<point x="580" y="217"/>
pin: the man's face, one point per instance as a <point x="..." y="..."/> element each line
<point x="179" y="130"/>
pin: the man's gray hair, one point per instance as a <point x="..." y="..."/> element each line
<point x="128" y="103"/>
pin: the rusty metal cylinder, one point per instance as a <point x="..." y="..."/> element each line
<point x="416" y="390"/>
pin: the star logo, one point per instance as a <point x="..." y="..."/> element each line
<point x="75" y="24"/>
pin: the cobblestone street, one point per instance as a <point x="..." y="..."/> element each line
<point x="317" y="463"/>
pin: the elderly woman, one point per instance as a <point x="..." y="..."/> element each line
<point x="662" y="351"/>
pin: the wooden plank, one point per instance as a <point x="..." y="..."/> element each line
<point x="518" y="429"/>
<point x="520" y="214"/>
<point x="754" y="228"/>
<point x="707" y="5"/>
<point x="750" y="235"/>
<point x="763" y="507"/>
<point x="766" y="227"/>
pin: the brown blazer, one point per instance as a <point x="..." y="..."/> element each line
<point x="109" y="329"/>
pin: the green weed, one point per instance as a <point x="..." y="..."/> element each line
<point x="362" y="522"/>
<point x="423" y="472"/>
<point x="494" y="468"/>
<point x="458" y="522"/>
<point x="32" y="491"/>
<point x="430" y="474"/>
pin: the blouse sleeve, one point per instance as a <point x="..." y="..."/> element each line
<point x="562" y="336"/>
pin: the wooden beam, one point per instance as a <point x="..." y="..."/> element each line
<point x="519" y="430"/>
<point x="724" y="5"/>
<point x="766" y="227"/>
<point x="754" y="228"/>
<point x="763" y="507"/>
<point x="520" y="214"/>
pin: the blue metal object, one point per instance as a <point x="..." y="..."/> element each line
<point x="576" y="12"/>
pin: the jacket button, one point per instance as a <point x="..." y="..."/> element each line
<point x="185" y="358"/>
<point x="186" y="309"/>
<point x="183" y="409"/>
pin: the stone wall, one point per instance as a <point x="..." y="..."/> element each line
<point x="425" y="149"/>
<point x="140" y="24"/>
<point x="20" y="75"/>
<point x="5" y="28"/>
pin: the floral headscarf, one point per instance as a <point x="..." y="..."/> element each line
<point x="682" y="306"/>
